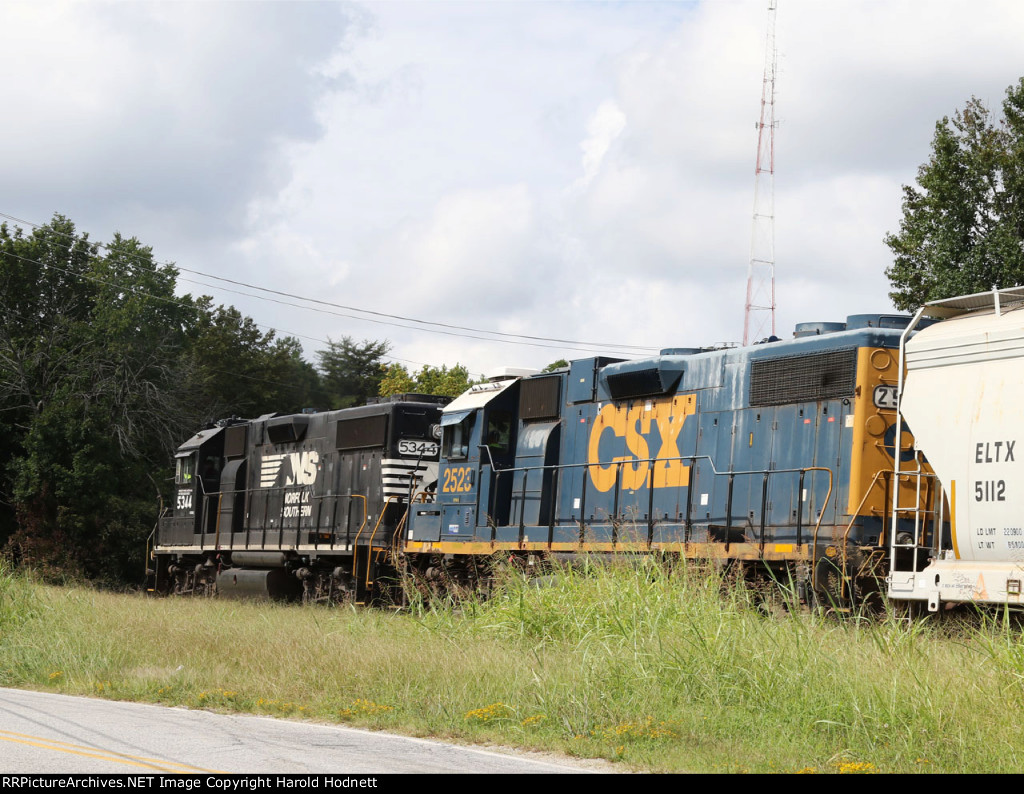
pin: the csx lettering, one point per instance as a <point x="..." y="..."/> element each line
<point x="634" y="426"/>
<point x="994" y="451"/>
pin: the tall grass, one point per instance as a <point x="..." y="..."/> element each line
<point x="662" y="668"/>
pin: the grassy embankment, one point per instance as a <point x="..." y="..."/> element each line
<point x="665" y="671"/>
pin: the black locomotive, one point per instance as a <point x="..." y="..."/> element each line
<point x="304" y="505"/>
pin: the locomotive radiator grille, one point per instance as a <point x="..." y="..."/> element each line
<point x="827" y="375"/>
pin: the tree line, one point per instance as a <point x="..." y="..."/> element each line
<point x="104" y="371"/>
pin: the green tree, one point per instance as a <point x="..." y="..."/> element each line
<point x="443" y="381"/>
<point x="429" y="380"/>
<point x="104" y="371"/>
<point x="556" y="365"/>
<point x="237" y="369"/>
<point x="396" y="380"/>
<point x="89" y="344"/>
<point x="963" y="224"/>
<point x="352" y="371"/>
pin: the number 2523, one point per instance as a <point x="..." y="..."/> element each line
<point x="457" y="480"/>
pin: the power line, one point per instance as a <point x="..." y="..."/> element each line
<point x="586" y="349"/>
<point x="286" y="303"/>
<point x="507" y="338"/>
<point x="175" y="301"/>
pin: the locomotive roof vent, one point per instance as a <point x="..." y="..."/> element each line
<point x="817" y="329"/>
<point x="680" y="351"/>
<point x="644" y="378"/>
<point x="286" y="429"/>
<point x="897" y="321"/>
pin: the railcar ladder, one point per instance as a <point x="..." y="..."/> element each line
<point x="905" y="553"/>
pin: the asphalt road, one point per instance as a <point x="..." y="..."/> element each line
<point x="56" y="734"/>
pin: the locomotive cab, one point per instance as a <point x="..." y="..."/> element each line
<point x="197" y="468"/>
<point x="478" y="442"/>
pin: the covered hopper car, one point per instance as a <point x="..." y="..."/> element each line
<point x="964" y="398"/>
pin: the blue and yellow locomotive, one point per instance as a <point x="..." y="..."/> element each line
<point x="776" y="456"/>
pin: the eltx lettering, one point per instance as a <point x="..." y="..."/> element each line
<point x="994" y="452"/>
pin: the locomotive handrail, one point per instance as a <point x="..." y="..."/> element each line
<point x="203" y="511"/>
<point x="149" y="549"/>
<point x="216" y="533"/>
<point x="369" y="546"/>
<point x="849" y="528"/>
<point x="381" y="518"/>
<point x="817" y="525"/>
<point x="362" y="524"/>
<point x="396" y="535"/>
<point x="559" y="467"/>
<point x="420" y="497"/>
<point x="634" y="461"/>
<point x="262" y="526"/>
<point x="413" y="473"/>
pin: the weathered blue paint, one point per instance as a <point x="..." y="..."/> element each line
<point x="736" y="454"/>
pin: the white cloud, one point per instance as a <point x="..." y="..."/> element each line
<point x="574" y="170"/>
<point x="604" y="127"/>
<point x="172" y="115"/>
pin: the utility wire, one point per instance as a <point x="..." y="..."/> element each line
<point x="298" y="306"/>
<point x="413" y="328"/>
<point x="175" y="301"/>
<point x="391" y="318"/>
<point x="327" y="311"/>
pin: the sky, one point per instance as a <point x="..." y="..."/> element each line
<point x="578" y="171"/>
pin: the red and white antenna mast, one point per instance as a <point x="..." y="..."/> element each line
<point x="759" y="317"/>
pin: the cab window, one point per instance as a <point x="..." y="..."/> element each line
<point x="457" y="437"/>
<point x="185" y="470"/>
<point x="499" y="427"/>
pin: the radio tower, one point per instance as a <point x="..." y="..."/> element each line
<point x="760" y="309"/>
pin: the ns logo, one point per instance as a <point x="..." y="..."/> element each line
<point x="631" y="437"/>
<point x="301" y="470"/>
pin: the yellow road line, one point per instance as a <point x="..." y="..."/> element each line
<point x="92" y="752"/>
